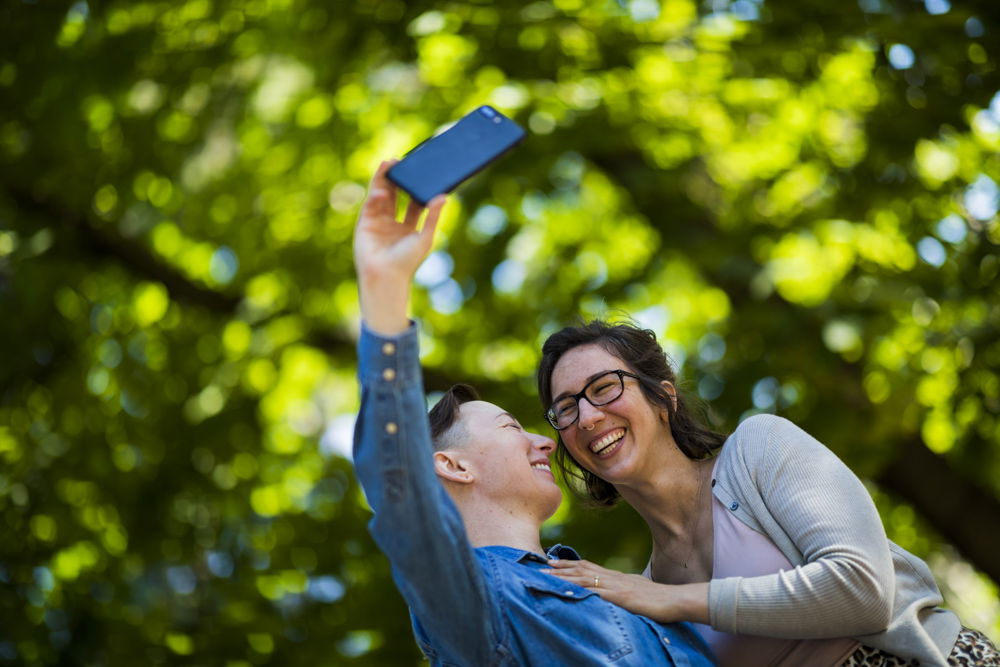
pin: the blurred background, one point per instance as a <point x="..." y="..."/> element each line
<point x="799" y="198"/>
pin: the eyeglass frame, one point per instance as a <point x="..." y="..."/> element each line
<point x="550" y="413"/>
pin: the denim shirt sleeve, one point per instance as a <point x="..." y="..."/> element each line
<point x="416" y="524"/>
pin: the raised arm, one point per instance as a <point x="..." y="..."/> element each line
<point x="415" y="524"/>
<point x="387" y="252"/>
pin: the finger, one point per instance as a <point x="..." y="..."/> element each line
<point x="377" y="201"/>
<point x="571" y="577"/>
<point x="377" y="205"/>
<point x="380" y="183"/>
<point x="393" y="190"/>
<point x="434" y="209"/>
<point x="563" y="561"/>
<point x="413" y="210"/>
<point x="571" y="564"/>
<point x="587" y="581"/>
<point x="576" y="576"/>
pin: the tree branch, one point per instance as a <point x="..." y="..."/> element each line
<point x="960" y="511"/>
<point x="129" y="253"/>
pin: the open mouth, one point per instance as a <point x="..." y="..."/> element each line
<point x="607" y="442"/>
<point x="542" y="466"/>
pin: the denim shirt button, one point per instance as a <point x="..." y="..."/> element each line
<point x="734" y="506"/>
<point x="388" y="349"/>
<point x="391" y="428"/>
<point x="569" y="593"/>
<point x="388" y="375"/>
<point x="666" y="640"/>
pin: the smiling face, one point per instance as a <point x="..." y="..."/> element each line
<point x="510" y="466"/>
<point x="615" y="441"/>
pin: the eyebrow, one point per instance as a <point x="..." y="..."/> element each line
<point x="505" y="414"/>
<point x="585" y="383"/>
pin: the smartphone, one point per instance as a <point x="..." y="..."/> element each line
<point x="441" y="163"/>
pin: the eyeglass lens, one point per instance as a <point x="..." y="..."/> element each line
<point x="600" y="391"/>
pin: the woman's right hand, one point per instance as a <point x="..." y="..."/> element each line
<point x="661" y="602"/>
<point x="387" y="252"/>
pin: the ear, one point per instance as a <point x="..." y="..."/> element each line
<point x="450" y="467"/>
<point x="671" y="391"/>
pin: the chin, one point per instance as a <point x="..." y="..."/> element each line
<point x="553" y="504"/>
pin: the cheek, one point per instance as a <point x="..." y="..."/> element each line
<point x="572" y="447"/>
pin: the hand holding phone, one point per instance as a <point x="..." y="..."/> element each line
<point x="441" y="163"/>
<point x="387" y="252"/>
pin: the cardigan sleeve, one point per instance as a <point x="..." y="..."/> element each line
<point x="801" y="493"/>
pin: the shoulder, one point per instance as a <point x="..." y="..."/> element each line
<point x="770" y="429"/>
<point x="761" y="432"/>
<point x="766" y="441"/>
<point x="758" y="426"/>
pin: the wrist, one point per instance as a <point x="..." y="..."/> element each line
<point x="384" y="304"/>
<point x="694" y="603"/>
<point x="383" y="277"/>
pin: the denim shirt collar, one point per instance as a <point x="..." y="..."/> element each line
<point x="520" y="555"/>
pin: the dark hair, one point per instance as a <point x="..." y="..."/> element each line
<point x="445" y="412"/>
<point x="645" y="357"/>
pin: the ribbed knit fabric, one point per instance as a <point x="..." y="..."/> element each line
<point x="848" y="578"/>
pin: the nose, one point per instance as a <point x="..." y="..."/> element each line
<point x="543" y="443"/>
<point x="588" y="415"/>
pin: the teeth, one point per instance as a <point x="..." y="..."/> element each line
<point x="541" y="466"/>
<point x="599" y="446"/>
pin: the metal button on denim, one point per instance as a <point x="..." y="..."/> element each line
<point x="391" y="428"/>
<point x="388" y="375"/>
<point x="388" y="348"/>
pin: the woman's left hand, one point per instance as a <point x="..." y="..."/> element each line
<point x="661" y="602"/>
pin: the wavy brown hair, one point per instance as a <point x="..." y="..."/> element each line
<point x="643" y="355"/>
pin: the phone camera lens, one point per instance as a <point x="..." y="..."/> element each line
<point x="488" y="112"/>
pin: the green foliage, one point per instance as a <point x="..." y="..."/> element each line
<point x="800" y="198"/>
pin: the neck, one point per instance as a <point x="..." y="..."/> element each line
<point x="669" y="495"/>
<point x="488" y="524"/>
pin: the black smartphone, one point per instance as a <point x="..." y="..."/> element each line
<point x="440" y="163"/>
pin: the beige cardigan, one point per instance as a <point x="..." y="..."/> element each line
<point x="848" y="579"/>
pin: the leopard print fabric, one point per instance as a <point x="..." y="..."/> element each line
<point x="866" y="656"/>
<point x="972" y="649"/>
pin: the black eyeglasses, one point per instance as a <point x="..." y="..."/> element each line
<point x="603" y="389"/>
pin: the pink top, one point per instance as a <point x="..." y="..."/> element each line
<point x="740" y="551"/>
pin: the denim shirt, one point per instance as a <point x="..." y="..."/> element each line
<point x="490" y="605"/>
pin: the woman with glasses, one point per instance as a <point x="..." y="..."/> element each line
<point x="764" y="537"/>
